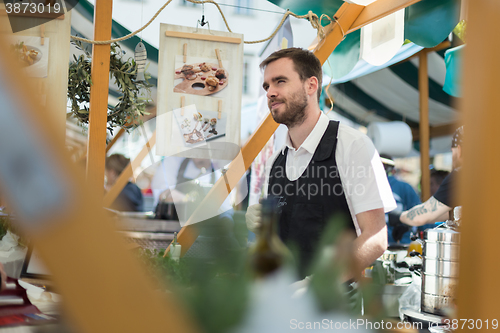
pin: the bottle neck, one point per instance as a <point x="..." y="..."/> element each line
<point x="268" y="228"/>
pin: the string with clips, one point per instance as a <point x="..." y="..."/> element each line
<point x="202" y="23"/>
<point x="310" y="16"/>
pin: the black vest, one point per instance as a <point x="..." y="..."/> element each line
<point x="306" y="204"/>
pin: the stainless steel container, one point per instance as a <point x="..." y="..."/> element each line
<point x="440" y="269"/>
<point x="432" y="302"/>
<point x="439" y="285"/>
<point x="440" y="250"/>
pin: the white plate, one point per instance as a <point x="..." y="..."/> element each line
<point x="38" y="57"/>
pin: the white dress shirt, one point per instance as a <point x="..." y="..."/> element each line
<point x="358" y="162"/>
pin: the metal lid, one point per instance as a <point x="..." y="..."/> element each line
<point x="442" y="235"/>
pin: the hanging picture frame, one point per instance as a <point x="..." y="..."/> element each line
<point x="199" y="93"/>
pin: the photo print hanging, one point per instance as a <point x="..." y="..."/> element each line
<point x="200" y="75"/>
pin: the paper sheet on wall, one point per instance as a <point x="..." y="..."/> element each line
<point x="381" y="40"/>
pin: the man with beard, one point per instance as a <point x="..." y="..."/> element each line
<point x="323" y="170"/>
<point x="438" y="206"/>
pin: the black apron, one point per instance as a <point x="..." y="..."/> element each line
<point x="307" y="204"/>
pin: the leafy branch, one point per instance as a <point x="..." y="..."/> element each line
<point x="135" y="95"/>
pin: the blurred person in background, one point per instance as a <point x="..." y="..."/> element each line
<point x="130" y="198"/>
<point x="406" y="198"/>
<point x="439" y="205"/>
<point x="437" y="177"/>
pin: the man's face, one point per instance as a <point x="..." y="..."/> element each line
<point x="286" y="95"/>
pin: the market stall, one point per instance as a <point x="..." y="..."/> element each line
<point x="78" y="216"/>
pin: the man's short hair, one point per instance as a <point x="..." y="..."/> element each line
<point x="306" y="64"/>
<point x="458" y="137"/>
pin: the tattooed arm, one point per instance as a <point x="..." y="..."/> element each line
<point x="430" y="211"/>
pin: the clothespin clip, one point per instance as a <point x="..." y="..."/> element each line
<point x="217" y="53"/>
<point x="185" y="52"/>
<point x="219" y="116"/>
<point x="42" y="34"/>
<point x="182" y="105"/>
<point x="226" y="180"/>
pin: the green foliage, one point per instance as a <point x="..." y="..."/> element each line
<point x="217" y="292"/>
<point x="135" y="95"/>
<point x="214" y="292"/>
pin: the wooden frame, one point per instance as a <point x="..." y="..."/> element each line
<point x="211" y="38"/>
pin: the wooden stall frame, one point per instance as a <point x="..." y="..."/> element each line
<point x="423" y="87"/>
<point x="96" y="150"/>
<point x="478" y="290"/>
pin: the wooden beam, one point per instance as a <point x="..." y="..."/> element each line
<point x="378" y="10"/>
<point x="335" y="31"/>
<point x="478" y="290"/>
<point x="128" y="172"/>
<point x="435" y="131"/>
<point x="423" y="87"/>
<point x="211" y="38"/>
<point x="441" y="46"/>
<point x="369" y="14"/>
<point x="96" y="147"/>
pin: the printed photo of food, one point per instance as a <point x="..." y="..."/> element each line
<point x="199" y="77"/>
<point x="200" y="126"/>
<point x="31" y="53"/>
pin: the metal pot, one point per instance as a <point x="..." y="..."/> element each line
<point x="436" y="304"/>
<point x="441" y="250"/>
<point x="440" y="269"/>
<point x="439" y="285"/>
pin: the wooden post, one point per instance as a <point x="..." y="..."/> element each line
<point x="96" y="146"/>
<point x="478" y="290"/>
<point x="423" y="87"/>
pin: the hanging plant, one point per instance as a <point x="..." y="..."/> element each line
<point x="136" y="95"/>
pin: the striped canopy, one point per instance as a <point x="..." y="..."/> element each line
<point x="371" y="93"/>
<point x="366" y="93"/>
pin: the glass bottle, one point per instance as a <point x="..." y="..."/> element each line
<point x="415" y="245"/>
<point x="268" y="254"/>
<point x="175" y="249"/>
